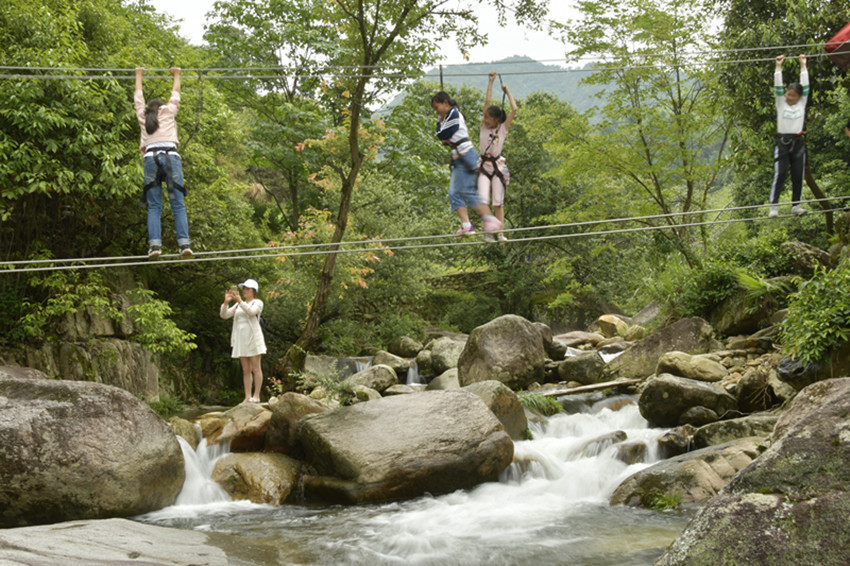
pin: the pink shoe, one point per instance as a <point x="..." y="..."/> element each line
<point x="465" y="231"/>
<point x="492" y="224"/>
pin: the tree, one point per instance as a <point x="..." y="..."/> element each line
<point x="376" y="42"/>
<point x="664" y="132"/>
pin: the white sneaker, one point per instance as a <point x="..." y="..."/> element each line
<point x="502" y="239"/>
<point x="798" y="210"/>
<point x="774" y="211"/>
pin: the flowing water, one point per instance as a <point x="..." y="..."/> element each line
<point x="549" y="507"/>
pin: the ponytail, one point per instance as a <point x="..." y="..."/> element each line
<point x="152" y="115"/>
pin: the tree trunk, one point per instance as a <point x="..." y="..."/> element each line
<point x="813" y="185"/>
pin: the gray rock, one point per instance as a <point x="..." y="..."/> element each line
<point x="377" y="377"/>
<point x="446" y="380"/>
<point x="397" y="363"/>
<point x="797" y="374"/>
<point x="698" y="416"/>
<point x="585" y="368"/>
<point x="700" y="368"/>
<point x="733" y="429"/>
<point x="690" y="335"/>
<point x="257" y="477"/>
<point x="754" y="391"/>
<point x="363" y="394"/>
<point x="505" y="404"/>
<point x="405" y="347"/>
<point x="611" y="325"/>
<point x="424" y="362"/>
<point x="578" y="338"/>
<point x="667" y="397"/>
<point x="632" y="452"/>
<point x="287" y="410"/>
<point x="693" y="477"/>
<point x="243" y="427"/>
<point x="403" y="446"/>
<point x="79" y="450"/>
<point x="109" y="542"/>
<point x="400" y="389"/>
<point x="596" y="446"/>
<point x="676" y="441"/>
<point x="445" y="353"/>
<point x="792" y="501"/>
<point x="507" y="349"/>
<point x="186" y="430"/>
<point x="805" y="258"/>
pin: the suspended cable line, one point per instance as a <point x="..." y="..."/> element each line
<point x="211" y="256"/>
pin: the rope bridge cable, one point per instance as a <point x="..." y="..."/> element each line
<point x="394" y="248"/>
<point x="287" y="72"/>
<point x="579" y="224"/>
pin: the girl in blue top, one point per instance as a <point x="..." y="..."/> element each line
<point x="789" y="151"/>
<point x="463" y="190"/>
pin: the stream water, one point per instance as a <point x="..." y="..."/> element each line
<point x="550" y="507"/>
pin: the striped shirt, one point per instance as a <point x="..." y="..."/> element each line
<point x="452" y="130"/>
<point x="790" y="119"/>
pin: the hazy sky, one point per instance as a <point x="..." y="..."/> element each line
<point x="513" y="40"/>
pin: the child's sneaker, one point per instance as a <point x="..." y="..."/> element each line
<point x="186" y="251"/>
<point x="502" y="239"/>
<point x="798" y="210"/>
<point x="489" y="238"/>
<point x="774" y="211"/>
<point x="154" y="252"/>
<point x="465" y="231"/>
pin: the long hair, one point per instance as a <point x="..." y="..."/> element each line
<point x="152" y="115"/>
<point x="443" y="96"/>
<point x="497" y="113"/>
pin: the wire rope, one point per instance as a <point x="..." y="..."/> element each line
<point x="313" y="252"/>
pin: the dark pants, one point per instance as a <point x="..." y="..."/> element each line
<point x="789" y="152"/>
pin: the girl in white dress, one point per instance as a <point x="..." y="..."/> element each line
<point x="246" y="338"/>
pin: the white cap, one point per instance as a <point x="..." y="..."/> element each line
<point x="251" y="284"/>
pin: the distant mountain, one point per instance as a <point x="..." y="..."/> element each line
<point x="523" y="76"/>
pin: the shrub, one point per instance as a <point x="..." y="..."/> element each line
<point x="540" y="404"/>
<point x="818" y="320"/>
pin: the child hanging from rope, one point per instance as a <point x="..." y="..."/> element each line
<point x="789" y="151"/>
<point x="493" y="174"/>
<point x="452" y="131"/>
<point x="162" y="164"/>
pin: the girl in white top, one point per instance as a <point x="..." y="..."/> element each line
<point x="493" y="173"/>
<point x="246" y="338"/>
<point x="789" y="152"/>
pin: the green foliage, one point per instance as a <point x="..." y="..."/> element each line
<point x="542" y="405"/>
<point x="154" y="330"/>
<point x="167" y="406"/>
<point x="698" y="291"/>
<point x="658" y="500"/>
<point x="818" y="319"/>
<point x="333" y="387"/>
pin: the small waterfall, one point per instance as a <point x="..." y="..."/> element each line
<point x="199" y="488"/>
<point x="413" y="374"/>
<point x="362" y="363"/>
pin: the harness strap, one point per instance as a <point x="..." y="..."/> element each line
<point x="496" y="171"/>
<point x="454" y="145"/>
<point x="163" y="173"/>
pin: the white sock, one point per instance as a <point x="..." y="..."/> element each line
<point x="466" y="225"/>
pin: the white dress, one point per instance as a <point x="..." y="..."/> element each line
<point x="247" y="338"/>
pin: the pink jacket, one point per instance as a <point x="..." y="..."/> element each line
<point x="167" y="131"/>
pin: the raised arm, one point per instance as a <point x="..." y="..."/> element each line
<point x="175" y="72"/>
<point x="512" y="113"/>
<point x="140" y="71"/>
<point x="489" y="95"/>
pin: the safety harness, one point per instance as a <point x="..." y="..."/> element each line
<point x="163" y="173"/>
<point x="485" y="157"/>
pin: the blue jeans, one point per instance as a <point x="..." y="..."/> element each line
<point x="175" y="197"/>
<point x="463" y="185"/>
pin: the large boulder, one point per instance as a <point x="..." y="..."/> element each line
<point x="743" y="427"/>
<point x="446" y="380"/>
<point x="445" y="353"/>
<point x="689" y="335"/>
<point x="798" y="374"/>
<point x="113" y="542"/>
<point x="287" y="410"/>
<point x="403" y="446"/>
<point x="378" y="377"/>
<point x="578" y="338"/>
<point x="792" y="502"/>
<point x="404" y="346"/>
<point x="260" y="478"/>
<point x="584" y="368"/>
<point x="507" y="349"/>
<point x="700" y="368"/>
<point x="243" y="427"/>
<point x="505" y="405"/>
<point x="741" y="314"/>
<point x="667" y="398"/>
<point x="692" y="477"/>
<point x="611" y="325"/>
<point x="80" y="450"/>
<point x="805" y="258"/>
<point x="397" y="363"/>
